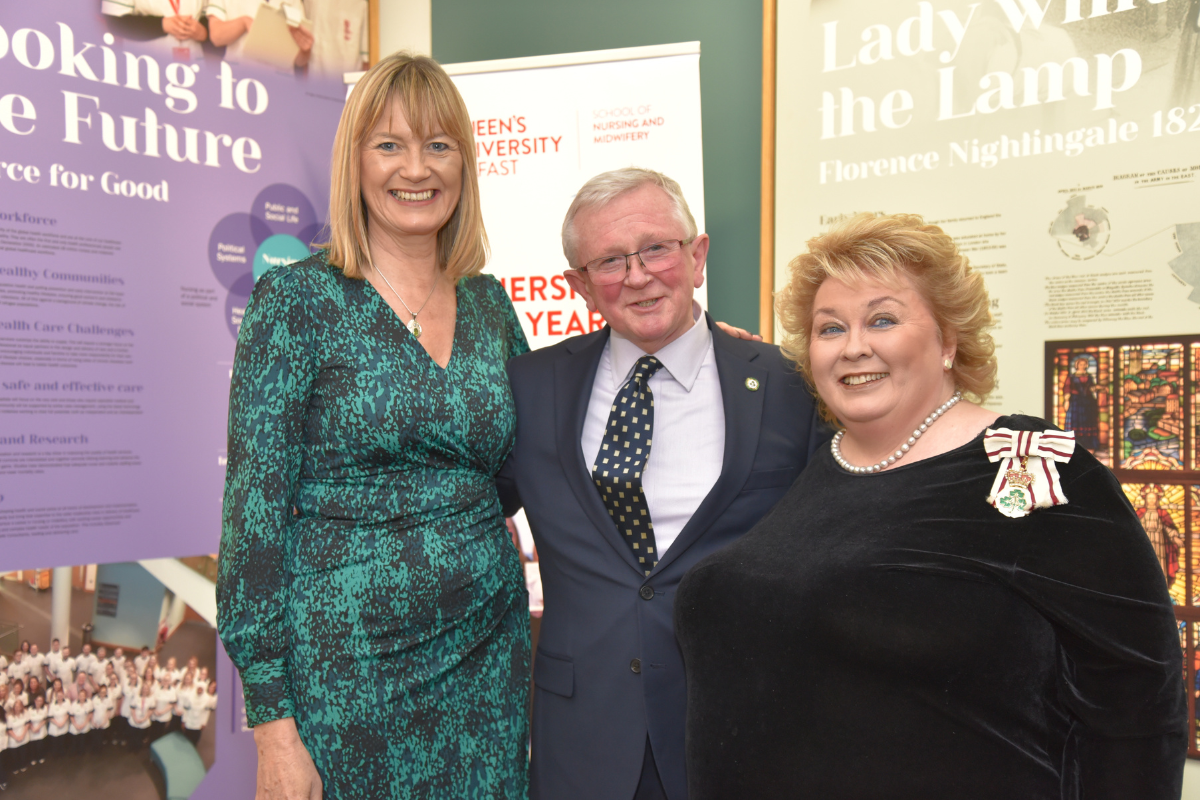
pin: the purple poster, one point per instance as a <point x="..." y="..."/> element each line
<point x="146" y="180"/>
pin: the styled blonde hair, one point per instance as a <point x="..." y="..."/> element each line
<point x="430" y="101"/>
<point x="886" y="248"/>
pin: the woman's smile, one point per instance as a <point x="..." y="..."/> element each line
<point x="412" y="197"/>
<point x="858" y="380"/>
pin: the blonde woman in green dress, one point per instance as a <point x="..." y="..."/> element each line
<point x="369" y="593"/>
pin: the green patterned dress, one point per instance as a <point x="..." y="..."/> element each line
<point x="368" y="586"/>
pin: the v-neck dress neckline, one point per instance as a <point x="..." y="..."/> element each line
<point x="454" y="341"/>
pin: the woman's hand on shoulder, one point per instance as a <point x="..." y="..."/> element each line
<point x="285" y="769"/>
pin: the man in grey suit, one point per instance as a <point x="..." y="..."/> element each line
<point x="640" y="449"/>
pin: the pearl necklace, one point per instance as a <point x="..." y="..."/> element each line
<point x="904" y="448"/>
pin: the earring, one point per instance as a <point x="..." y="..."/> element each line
<point x="948" y="364"/>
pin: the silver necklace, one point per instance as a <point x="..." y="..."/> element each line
<point x="904" y="448"/>
<point x="413" y="326"/>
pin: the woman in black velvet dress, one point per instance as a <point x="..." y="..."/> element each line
<point x="948" y="604"/>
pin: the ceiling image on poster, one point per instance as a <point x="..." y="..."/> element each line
<point x="1082" y="231"/>
<point x="279" y="230"/>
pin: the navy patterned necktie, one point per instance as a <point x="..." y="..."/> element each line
<point x="624" y="448"/>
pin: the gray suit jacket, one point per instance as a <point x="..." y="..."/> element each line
<point x="608" y="669"/>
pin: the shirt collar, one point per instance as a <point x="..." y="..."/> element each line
<point x="682" y="357"/>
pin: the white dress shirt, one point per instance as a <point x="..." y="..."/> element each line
<point x="164" y="699"/>
<point x="36" y="664"/>
<point x="20" y="670"/>
<point x="84" y="663"/>
<point x="60" y="718"/>
<point x="99" y="670"/>
<point x="689" y="423"/>
<point x="66" y="670"/>
<point x="37" y="715"/>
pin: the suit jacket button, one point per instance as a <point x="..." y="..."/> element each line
<point x="636" y="666"/>
<point x="647" y="592"/>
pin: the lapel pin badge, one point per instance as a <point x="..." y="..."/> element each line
<point x="752" y="384"/>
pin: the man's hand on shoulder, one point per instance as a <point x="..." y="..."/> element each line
<point x="739" y="333"/>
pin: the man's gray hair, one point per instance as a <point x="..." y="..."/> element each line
<point x="608" y="186"/>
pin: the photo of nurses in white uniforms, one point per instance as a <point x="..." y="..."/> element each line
<point x="182" y="29"/>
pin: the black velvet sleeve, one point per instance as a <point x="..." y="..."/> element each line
<point x="1093" y="574"/>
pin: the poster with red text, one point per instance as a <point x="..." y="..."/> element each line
<point x="543" y="127"/>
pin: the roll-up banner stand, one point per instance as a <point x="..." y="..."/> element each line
<point x="1058" y="142"/>
<point x="546" y="124"/>
<point x="145" y="181"/>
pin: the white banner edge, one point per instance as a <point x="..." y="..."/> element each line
<point x="560" y="59"/>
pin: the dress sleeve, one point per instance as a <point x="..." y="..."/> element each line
<point x="273" y="372"/>
<point x="506" y="479"/>
<point x="514" y="334"/>
<point x="1091" y="572"/>
<point x="515" y="344"/>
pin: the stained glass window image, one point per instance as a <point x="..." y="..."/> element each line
<point x="1160" y="509"/>
<point x="1195" y="534"/>
<point x="1195" y="395"/>
<point x="1083" y="394"/>
<point x="1151" y="424"/>
<point x="1135" y="405"/>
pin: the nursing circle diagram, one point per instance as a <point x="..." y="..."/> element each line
<point x="279" y="229"/>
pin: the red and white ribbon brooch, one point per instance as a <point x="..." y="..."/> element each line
<point x="1027" y="478"/>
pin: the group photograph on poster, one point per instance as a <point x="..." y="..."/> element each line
<point x="329" y="37"/>
<point x="122" y="703"/>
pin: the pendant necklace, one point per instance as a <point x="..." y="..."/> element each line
<point x="413" y="326"/>
<point x="904" y="448"/>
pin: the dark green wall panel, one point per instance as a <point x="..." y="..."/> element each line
<point x="730" y="36"/>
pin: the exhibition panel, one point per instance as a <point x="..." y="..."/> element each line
<point x="148" y="179"/>
<point x="1056" y="143"/>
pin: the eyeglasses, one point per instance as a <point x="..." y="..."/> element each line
<point x="657" y="257"/>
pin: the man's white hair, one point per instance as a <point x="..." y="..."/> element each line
<point x="608" y="186"/>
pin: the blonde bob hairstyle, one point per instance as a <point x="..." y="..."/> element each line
<point x="886" y="249"/>
<point x="430" y="102"/>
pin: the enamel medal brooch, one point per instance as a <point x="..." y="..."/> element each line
<point x="1027" y="478"/>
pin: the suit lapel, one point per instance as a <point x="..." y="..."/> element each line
<point x="743" y="419"/>
<point x="574" y="374"/>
